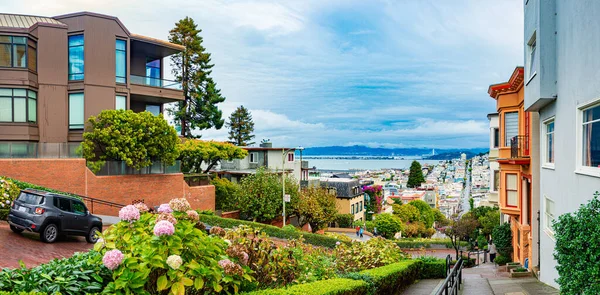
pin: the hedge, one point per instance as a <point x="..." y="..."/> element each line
<point x="393" y="278"/>
<point x="325" y="287"/>
<point x="23" y="185"/>
<point x="272" y="231"/>
<point x="433" y="269"/>
<point x="426" y="243"/>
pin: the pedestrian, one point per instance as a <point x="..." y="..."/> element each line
<point x="492" y="250"/>
<point x="357" y="230"/>
<point x="361" y="232"/>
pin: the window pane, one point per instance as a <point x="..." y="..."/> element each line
<point x="32" y="94"/>
<point x="511" y="198"/>
<point x="591" y="144"/>
<point x="5" y="60"/>
<point x="32" y="58"/>
<point x="5" y="92"/>
<point x="4" y="39"/>
<point x="76" y="108"/>
<point x="120" y="66"/>
<point x="154" y="109"/>
<point x="591" y="114"/>
<point x="19" y="56"/>
<point x="32" y="110"/>
<point x="20" y="92"/>
<point x="20" y="110"/>
<point x="121" y="45"/>
<point x="511" y="181"/>
<point x="5" y="109"/>
<point x="511" y="126"/>
<point x="75" y="40"/>
<point x="496" y="180"/>
<point x="121" y="103"/>
<point x="19" y="40"/>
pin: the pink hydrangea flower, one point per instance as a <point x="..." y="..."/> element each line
<point x="129" y="213"/>
<point x="180" y="204"/>
<point x="112" y="259"/>
<point x="164" y="227"/>
<point x="193" y="215"/>
<point x="337" y="243"/>
<point x="165" y="208"/>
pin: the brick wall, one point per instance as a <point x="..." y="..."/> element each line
<point x="71" y="175"/>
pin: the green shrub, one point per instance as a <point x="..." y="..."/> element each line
<point x="373" y="253"/>
<point x="23" y="185"/>
<point x="325" y="287"/>
<point x="226" y="194"/>
<point x="406" y="243"/>
<point x="577" y="247"/>
<point x="432" y="268"/>
<point x="387" y="225"/>
<point x="290" y="228"/>
<point x="502" y="260"/>
<point x="344" y="220"/>
<point x="83" y="272"/>
<point x="502" y="237"/>
<point x="520" y="269"/>
<point x="26" y="293"/>
<point x="394" y="278"/>
<point x="272" y="231"/>
<point x="370" y="225"/>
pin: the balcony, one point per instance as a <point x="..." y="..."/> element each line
<point x="154" y="90"/>
<point x="154" y="82"/>
<point x="519" y="151"/>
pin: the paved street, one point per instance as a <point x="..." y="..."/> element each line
<point x="488" y="279"/>
<point x="29" y="248"/>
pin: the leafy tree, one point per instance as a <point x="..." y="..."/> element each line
<point x="196" y="152"/>
<point x="261" y="198"/>
<point x="227" y="194"/>
<point x="502" y="237"/>
<point x="482" y="211"/>
<point x="460" y="229"/>
<point x="427" y="216"/>
<point x="192" y="68"/>
<point x="344" y="220"/>
<point x="577" y="247"/>
<point x="407" y="213"/>
<point x="471" y="204"/>
<point x="415" y="177"/>
<point x="440" y="218"/>
<point x="138" y="139"/>
<point x="317" y="207"/>
<point x="489" y="221"/>
<point x="387" y="225"/>
<point x="241" y="127"/>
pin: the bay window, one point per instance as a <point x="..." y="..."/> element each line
<point x="18" y="105"/>
<point x="511" y="127"/>
<point x="512" y="190"/>
<point x="15" y="53"/>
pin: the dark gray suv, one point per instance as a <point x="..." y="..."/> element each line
<point x="52" y="215"/>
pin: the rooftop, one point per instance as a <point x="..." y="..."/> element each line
<point x="25" y="21"/>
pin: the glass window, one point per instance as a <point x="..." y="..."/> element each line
<point x="549" y="212"/>
<point x="511" y="190"/>
<point x="511" y="126"/>
<point x="76" y="57"/>
<point x="253" y="158"/>
<point x="64" y="204"/>
<point x="78" y="207"/>
<point x="19" y="56"/>
<point x="154" y="109"/>
<point x="532" y="63"/>
<point x="32" y="58"/>
<point x="496" y="137"/>
<point x="76" y="108"/>
<point x="121" y="102"/>
<point x="153" y="72"/>
<point x="121" y="61"/>
<point x="591" y="136"/>
<point x="14" y="51"/>
<point x="5" y="58"/>
<point x="496" y="180"/>
<point x="18" y="105"/>
<point x="549" y="158"/>
<point x="30" y="199"/>
<point x="352" y="210"/>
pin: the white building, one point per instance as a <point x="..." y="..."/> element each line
<point x="560" y="45"/>
<point x="493" y="156"/>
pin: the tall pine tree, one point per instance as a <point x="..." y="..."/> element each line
<point x="415" y="177"/>
<point x="241" y="127"/>
<point x="192" y="68"/>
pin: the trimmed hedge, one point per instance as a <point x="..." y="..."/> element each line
<point x="325" y="287"/>
<point x="272" y="231"/>
<point x="422" y="243"/>
<point x="433" y="269"/>
<point x="393" y="278"/>
<point x="23" y="185"/>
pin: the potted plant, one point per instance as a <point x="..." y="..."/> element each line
<point x="520" y="272"/>
<point x="512" y="265"/>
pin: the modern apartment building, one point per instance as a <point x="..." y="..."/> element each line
<point x="56" y="72"/>
<point x="276" y="159"/>
<point x="517" y="159"/>
<point x="561" y="40"/>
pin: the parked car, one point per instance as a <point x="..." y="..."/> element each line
<point x="52" y="215"/>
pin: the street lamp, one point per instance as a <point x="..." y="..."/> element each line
<point x="284" y="152"/>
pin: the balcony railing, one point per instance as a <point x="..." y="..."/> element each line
<point x="121" y="168"/>
<point x="39" y="150"/>
<point x="519" y="146"/>
<point x="155" y="82"/>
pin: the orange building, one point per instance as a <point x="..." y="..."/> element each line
<point x="515" y="158"/>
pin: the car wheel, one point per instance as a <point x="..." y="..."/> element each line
<point x="49" y="234"/>
<point x="92" y="236"/>
<point x="16" y="229"/>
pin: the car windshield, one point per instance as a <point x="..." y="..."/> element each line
<point x="30" y="198"/>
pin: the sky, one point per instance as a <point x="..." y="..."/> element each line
<point x="389" y="73"/>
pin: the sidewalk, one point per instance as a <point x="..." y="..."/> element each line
<point x="487" y="279"/>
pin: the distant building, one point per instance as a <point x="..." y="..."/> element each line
<point x="349" y="196"/>
<point x="265" y="155"/>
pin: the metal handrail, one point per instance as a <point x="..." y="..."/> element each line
<point x="453" y="280"/>
<point x="98" y="201"/>
<point x="519" y="146"/>
<point x="155" y="82"/>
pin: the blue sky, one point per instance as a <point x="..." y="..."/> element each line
<point x="315" y="73"/>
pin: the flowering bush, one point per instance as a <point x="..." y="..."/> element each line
<point x="8" y="193"/>
<point x="141" y="207"/>
<point x="166" y="216"/>
<point x="181" y="260"/>
<point x="193" y="215"/>
<point x="165" y="208"/>
<point x="365" y="255"/>
<point x="181" y="205"/>
<point x="129" y="213"/>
